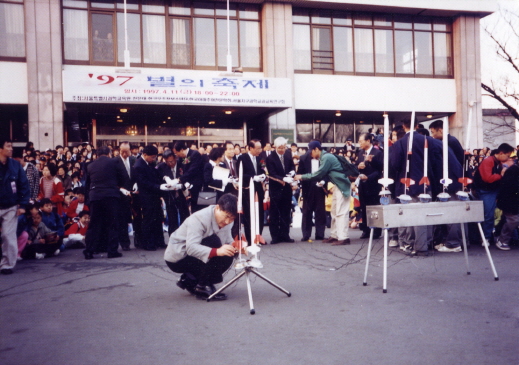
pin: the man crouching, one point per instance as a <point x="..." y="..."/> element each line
<point x="201" y="248"/>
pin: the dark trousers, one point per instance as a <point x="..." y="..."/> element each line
<point x="152" y="217"/>
<point x="177" y="211"/>
<point x="313" y="205"/>
<point x="102" y="229"/>
<point x="124" y="217"/>
<point x="29" y="252"/>
<point x="246" y="214"/>
<point x="137" y="220"/>
<point x="365" y="199"/>
<point x="280" y="211"/>
<point x="204" y="273"/>
<point x="194" y="199"/>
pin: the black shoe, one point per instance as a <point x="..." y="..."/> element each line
<point x="149" y="248"/>
<point x="6" y="271"/>
<point x="184" y="285"/>
<point x="319" y="238"/>
<point x="205" y="291"/>
<point x="88" y="255"/>
<point x="288" y="240"/>
<point x="418" y="253"/>
<point x="305" y="239"/>
<point x="126" y="248"/>
<point x="114" y="255"/>
<point x="364" y="235"/>
<point x="273" y="242"/>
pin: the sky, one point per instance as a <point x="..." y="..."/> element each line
<point x="492" y="67"/>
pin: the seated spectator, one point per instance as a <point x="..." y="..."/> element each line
<point x="76" y="183"/>
<point x="75" y="235"/>
<point x="78" y="204"/>
<point x="23" y="225"/>
<point x="51" y="187"/>
<point x="42" y="241"/>
<point x="51" y="219"/>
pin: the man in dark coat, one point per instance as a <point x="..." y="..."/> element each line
<point x="148" y="184"/>
<point x="126" y="161"/>
<point x="176" y="203"/>
<point x="314" y="196"/>
<point x="253" y="168"/>
<point x="280" y="167"/>
<point x="193" y="171"/>
<point x="508" y="202"/>
<point x="371" y="164"/>
<point x="104" y="179"/>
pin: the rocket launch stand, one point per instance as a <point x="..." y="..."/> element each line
<point x="248" y="269"/>
<point x="423" y="214"/>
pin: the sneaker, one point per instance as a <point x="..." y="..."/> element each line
<point x="393" y="243"/>
<point x="502" y="246"/>
<point x="443" y="248"/>
<point x="56" y="253"/>
<point x="40" y="256"/>
<point x="406" y="248"/>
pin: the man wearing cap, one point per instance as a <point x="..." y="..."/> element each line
<point x="14" y="196"/>
<point x="332" y="168"/>
<point x="148" y="184"/>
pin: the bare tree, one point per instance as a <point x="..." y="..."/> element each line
<point x="506" y="89"/>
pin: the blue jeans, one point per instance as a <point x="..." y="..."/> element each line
<point x="489" y="206"/>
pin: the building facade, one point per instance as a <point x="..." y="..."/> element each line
<point x="103" y="71"/>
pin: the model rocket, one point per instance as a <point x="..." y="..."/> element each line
<point x="425" y="198"/>
<point x="462" y="194"/>
<point x="240" y="239"/>
<point x="407" y="181"/>
<point x="386" y="181"/>
<point x="444" y="196"/>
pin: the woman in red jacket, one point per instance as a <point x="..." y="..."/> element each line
<point x="52" y="188"/>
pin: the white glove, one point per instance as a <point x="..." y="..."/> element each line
<point x="124" y="191"/>
<point x="295" y="183"/>
<point x="188" y="185"/>
<point x="288" y="180"/>
<point x="260" y="178"/>
<point x="135" y="188"/>
<point x="166" y="187"/>
<point x="168" y="180"/>
<point x="291" y="173"/>
<point x="320" y="184"/>
<point x="177" y="186"/>
<point x="225" y="181"/>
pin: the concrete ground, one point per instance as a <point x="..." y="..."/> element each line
<point x="66" y="310"/>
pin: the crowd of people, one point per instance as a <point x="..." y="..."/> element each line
<point x="96" y="199"/>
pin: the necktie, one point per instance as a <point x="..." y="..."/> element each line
<point x="127" y="165"/>
<point x="255" y="165"/>
<point x="282" y="162"/>
<point x="231" y="168"/>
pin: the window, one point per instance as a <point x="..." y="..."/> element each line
<point x="371" y="44"/>
<point x="12" y="31"/>
<point x="175" y="33"/>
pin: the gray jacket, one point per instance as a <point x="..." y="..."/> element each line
<point x="185" y="241"/>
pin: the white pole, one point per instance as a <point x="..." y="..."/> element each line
<point x="469" y="128"/>
<point x="229" y="57"/>
<point x="126" y="50"/>
<point x="411" y="131"/>
<point x="386" y="152"/>
<point x="445" y="150"/>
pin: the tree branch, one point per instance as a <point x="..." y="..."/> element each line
<point x="503" y="102"/>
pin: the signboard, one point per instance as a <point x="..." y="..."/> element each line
<point x="91" y="84"/>
<point x="287" y="133"/>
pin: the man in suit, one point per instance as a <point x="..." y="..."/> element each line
<point x="176" y="203"/>
<point x="371" y="164"/>
<point x="193" y="171"/>
<point x="104" y="179"/>
<point x="126" y="161"/>
<point x="281" y="169"/>
<point x="267" y="151"/>
<point x="314" y="196"/>
<point x="149" y="185"/>
<point x="229" y="162"/>
<point x="253" y="168"/>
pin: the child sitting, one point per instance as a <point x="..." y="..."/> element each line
<point x="75" y="235"/>
<point x="78" y="204"/>
<point x="51" y="219"/>
<point x="42" y="241"/>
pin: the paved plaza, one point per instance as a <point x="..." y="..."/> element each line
<point x="66" y="310"/>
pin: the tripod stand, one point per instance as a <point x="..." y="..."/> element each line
<point x="247" y="270"/>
